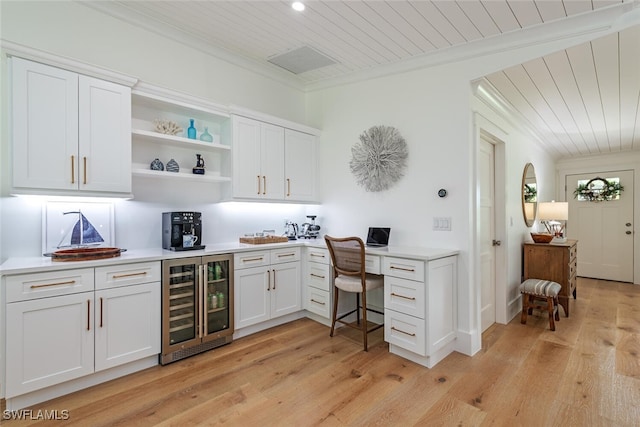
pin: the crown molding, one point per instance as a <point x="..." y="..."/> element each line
<point x="10" y="48"/>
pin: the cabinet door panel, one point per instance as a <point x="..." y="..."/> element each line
<point x="285" y="291"/>
<point x="272" y="161"/>
<point x="246" y="158"/>
<point x="44" y="126"/>
<point x="300" y="165"/>
<point x="104" y="136"/>
<point x="127" y="322"/>
<point x="251" y="298"/>
<point x="50" y="341"/>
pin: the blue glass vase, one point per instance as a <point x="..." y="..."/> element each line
<point x="206" y="136"/>
<point x="191" y="130"/>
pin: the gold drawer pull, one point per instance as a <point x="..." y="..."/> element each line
<point x="73" y="175"/>
<point x="411" y="270"/>
<point x="120" y="276"/>
<point x="315" y="275"/>
<point x="252" y="259"/>
<point x="70" y="282"/>
<point x="318" y="255"/>
<point x="318" y="302"/>
<point x="284" y="255"/>
<point x="402" y="332"/>
<point x="393" y="294"/>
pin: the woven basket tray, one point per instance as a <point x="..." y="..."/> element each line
<point x="264" y="239"/>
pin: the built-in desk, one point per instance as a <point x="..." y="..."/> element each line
<point x="420" y="286"/>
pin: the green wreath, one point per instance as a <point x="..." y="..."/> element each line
<point x="608" y="191"/>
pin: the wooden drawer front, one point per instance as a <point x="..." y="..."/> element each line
<point x="411" y="269"/>
<point x="318" y="255"/>
<point x="405" y="331"/>
<point x="319" y="276"/>
<point x="573" y="252"/>
<point x="404" y="296"/>
<point x="128" y="274"/>
<point x="318" y="302"/>
<point x="572" y="284"/>
<point x="573" y="268"/>
<point x="285" y="255"/>
<point x="250" y="259"/>
<point x="53" y="283"/>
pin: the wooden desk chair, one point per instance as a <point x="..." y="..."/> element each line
<point x="541" y="295"/>
<point x="347" y="256"/>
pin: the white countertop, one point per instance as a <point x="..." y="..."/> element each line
<point x="21" y="265"/>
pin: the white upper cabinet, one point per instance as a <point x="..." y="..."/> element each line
<point x="271" y="162"/>
<point x="300" y="166"/>
<point x="70" y="133"/>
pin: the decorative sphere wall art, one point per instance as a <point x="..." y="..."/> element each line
<point x="379" y="159"/>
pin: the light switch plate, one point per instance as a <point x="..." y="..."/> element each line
<point x="442" y="223"/>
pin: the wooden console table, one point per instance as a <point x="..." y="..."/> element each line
<point x="556" y="262"/>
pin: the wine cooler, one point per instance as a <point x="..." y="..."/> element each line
<point x="197" y="305"/>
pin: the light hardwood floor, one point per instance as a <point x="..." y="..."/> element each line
<point x="586" y="373"/>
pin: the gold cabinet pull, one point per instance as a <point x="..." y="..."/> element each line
<point x="101" y="312"/>
<point x="316" y="275"/>
<point x="318" y="302"/>
<point x="284" y="255"/>
<point x="288" y="187"/>
<point x="411" y="270"/>
<point x="120" y="276"/>
<point x="73" y="174"/>
<point x="84" y="167"/>
<point x="252" y="259"/>
<point x="318" y="255"/>
<point x="393" y="294"/>
<point x="88" y="315"/>
<point x="393" y="328"/>
<point x="264" y="181"/>
<point x="274" y="280"/>
<point x="259" y="184"/>
<point x="45" y="285"/>
<point x="268" y="280"/>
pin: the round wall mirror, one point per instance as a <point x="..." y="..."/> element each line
<point x="529" y="194"/>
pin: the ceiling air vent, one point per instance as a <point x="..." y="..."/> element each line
<point x="301" y="60"/>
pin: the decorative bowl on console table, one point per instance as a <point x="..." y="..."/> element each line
<point x="542" y="237"/>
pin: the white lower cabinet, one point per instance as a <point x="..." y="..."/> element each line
<point x="420" y="319"/>
<point x="62" y="329"/>
<point x="317" y="282"/>
<point x="266" y="285"/>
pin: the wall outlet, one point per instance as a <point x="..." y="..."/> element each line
<point x="442" y="223"/>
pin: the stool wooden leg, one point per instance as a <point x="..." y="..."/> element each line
<point x="557" y="308"/>
<point x="550" y="307"/>
<point x="525" y="307"/>
<point x="336" y="291"/>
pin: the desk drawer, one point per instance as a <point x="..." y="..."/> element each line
<point x="128" y="274"/>
<point x="24" y="287"/>
<point x="405" y="331"/>
<point x="318" y="255"/>
<point x="318" y="302"/>
<point x="250" y="259"/>
<point x="404" y="296"/>
<point x="371" y="264"/>
<point x="319" y="276"/>
<point x="279" y="256"/>
<point x="411" y="269"/>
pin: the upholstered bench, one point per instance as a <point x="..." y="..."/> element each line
<point x="541" y="295"/>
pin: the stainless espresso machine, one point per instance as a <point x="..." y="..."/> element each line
<point x="182" y="231"/>
<point x="310" y="230"/>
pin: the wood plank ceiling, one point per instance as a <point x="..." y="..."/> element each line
<point x="580" y="101"/>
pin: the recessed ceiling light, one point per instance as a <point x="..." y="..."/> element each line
<point x="297" y="5"/>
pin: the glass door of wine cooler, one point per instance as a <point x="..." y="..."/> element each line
<point x="218" y="297"/>
<point x="180" y="303"/>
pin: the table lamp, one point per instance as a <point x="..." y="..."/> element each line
<point x="551" y="214"/>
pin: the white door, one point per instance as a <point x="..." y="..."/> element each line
<point x="272" y="161"/>
<point x="300" y="165"/>
<point x="246" y="158"/>
<point x="285" y="289"/>
<point x="604" y="230"/>
<point x="127" y="323"/>
<point x="104" y="136"/>
<point x="44" y="131"/>
<point x="486" y="179"/>
<point x="251" y="296"/>
<point x="50" y="341"/>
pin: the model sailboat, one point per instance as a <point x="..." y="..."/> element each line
<point x="83" y="233"/>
